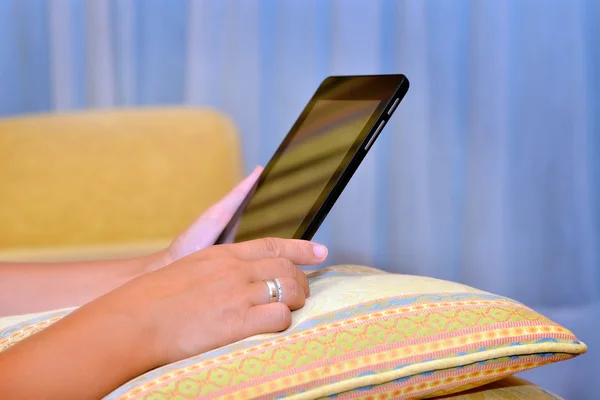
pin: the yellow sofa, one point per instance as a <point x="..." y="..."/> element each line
<point x="109" y="183"/>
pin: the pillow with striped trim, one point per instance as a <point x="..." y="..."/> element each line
<point x="366" y="334"/>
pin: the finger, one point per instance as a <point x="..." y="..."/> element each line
<point x="292" y="294"/>
<point x="270" y="268"/>
<point x="267" y="318"/>
<point x="207" y="228"/>
<point x="300" y="252"/>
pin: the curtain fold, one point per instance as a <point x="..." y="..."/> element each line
<point x="489" y="173"/>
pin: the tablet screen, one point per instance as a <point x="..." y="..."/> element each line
<point x="303" y="167"/>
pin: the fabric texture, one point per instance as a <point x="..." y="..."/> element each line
<point x="83" y="252"/>
<point x="112" y="177"/>
<point x="363" y="332"/>
<point x="511" y="388"/>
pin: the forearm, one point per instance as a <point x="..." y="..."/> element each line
<point x="35" y="287"/>
<point x="86" y="355"/>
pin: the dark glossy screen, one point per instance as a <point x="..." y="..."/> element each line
<point x="297" y="178"/>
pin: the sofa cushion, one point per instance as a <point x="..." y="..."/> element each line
<point x="83" y="253"/>
<point x="511" y="388"/>
<point x="103" y="177"/>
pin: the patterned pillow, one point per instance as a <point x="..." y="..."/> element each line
<point x="511" y="388"/>
<point x="367" y="334"/>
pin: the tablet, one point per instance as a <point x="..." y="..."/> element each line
<point x="317" y="158"/>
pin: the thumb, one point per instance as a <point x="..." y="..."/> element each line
<point x="228" y="205"/>
<point x="207" y="228"/>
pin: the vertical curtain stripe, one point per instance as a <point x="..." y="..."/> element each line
<point x="78" y="43"/>
<point x="268" y="17"/>
<point x="591" y="32"/>
<point x="291" y="95"/>
<point x="100" y="54"/>
<point x="160" y="49"/>
<point x="9" y="61"/>
<point x="123" y="45"/>
<point x="241" y="82"/>
<point x="60" y="54"/>
<point x="203" y="58"/>
<point x="575" y="228"/>
<point x="486" y="152"/>
<point x="534" y="228"/>
<point x="322" y="38"/>
<point x="411" y="216"/>
<point x="451" y="20"/>
<point x="33" y="53"/>
<point x="195" y="54"/>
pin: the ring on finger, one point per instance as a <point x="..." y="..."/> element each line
<point x="274" y="290"/>
<point x="279" y="290"/>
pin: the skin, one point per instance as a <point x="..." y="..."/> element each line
<point x="164" y="314"/>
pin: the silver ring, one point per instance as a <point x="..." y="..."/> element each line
<point x="273" y="291"/>
<point x="279" y="290"/>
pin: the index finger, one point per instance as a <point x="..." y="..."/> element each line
<point x="300" y="252"/>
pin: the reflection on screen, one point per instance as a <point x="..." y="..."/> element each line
<point x="302" y="172"/>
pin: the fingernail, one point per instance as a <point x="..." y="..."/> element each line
<point x="320" y="251"/>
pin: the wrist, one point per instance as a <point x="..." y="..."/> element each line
<point x="126" y="310"/>
<point x="87" y="354"/>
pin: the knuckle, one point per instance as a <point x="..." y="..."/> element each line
<point x="272" y="246"/>
<point x="299" y="298"/>
<point x="300" y="248"/>
<point x="288" y="268"/>
<point x="214" y="252"/>
<point x="226" y="270"/>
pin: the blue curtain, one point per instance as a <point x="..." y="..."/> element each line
<point x="489" y="173"/>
